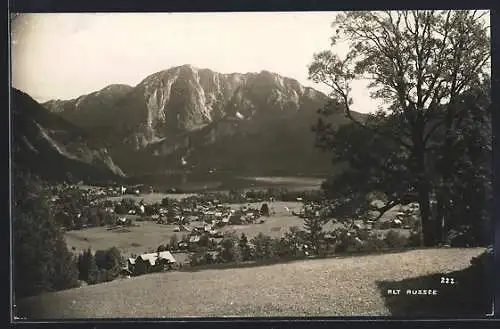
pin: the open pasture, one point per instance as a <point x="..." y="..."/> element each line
<point x="350" y="286"/>
<point x="148" y="235"/>
<point x="135" y="239"/>
<point x="150" y="198"/>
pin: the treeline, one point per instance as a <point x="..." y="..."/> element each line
<point x="237" y="196"/>
<point x="41" y="260"/>
<point x="88" y="217"/>
<point x="299" y="244"/>
<point x="74" y="209"/>
<point x="282" y="194"/>
<point x="103" y="266"/>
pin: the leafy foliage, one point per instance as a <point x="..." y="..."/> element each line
<point x="314" y="233"/>
<point x="201" y="257"/>
<point x="244" y="246"/>
<point x="264" y="210"/>
<point x="174" y="242"/>
<point x="395" y="239"/>
<point x="42" y="261"/>
<point x="87" y="267"/>
<point x="229" y="251"/>
<point x="103" y="266"/>
<point x="426" y="66"/>
<point x="263" y="247"/>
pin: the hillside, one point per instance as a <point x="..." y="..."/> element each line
<point x="89" y="110"/>
<point x="347" y="286"/>
<point x="249" y="123"/>
<point x="48" y="145"/>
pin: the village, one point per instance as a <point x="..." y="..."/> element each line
<point x="196" y="224"/>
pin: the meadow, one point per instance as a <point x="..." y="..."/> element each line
<point x="350" y="286"/>
<point x="148" y="235"/>
<point x="151" y="198"/>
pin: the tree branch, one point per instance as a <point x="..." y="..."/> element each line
<point x="432" y="130"/>
<point x="349" y="115"/>
<point x="440" y="58"/>
<point x="386" y="208"/>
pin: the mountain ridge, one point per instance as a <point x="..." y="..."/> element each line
<point x="186" y="113"/>
<point x="46" y="144"/>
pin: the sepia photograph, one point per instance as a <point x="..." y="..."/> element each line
<point x="251" y="164"/>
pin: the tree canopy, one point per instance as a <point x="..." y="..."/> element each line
<point x="41" y="260"/>
<point x="426" y="67"/>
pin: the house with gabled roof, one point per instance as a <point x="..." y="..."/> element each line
<point x="152" y="262"/>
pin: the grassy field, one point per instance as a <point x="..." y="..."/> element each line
<point x="149" y="235"/>
<point x="350" y="286"/>
<point x="290" y="183"/>
<point x="150" y="198"/>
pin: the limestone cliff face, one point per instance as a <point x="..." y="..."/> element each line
<point x="186" y="98"/>
<point x="187" y="112"/>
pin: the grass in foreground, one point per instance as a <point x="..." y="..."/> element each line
<point x="349" y="286"/>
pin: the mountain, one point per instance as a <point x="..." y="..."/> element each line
<point x="197" y="119"/>
<point x="92" y="109"/>
<point x="46" y="144"/>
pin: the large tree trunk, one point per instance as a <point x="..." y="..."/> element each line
<point x="423" y="187"/>
<point x="428" y="227"/>
<point x="440" y="220"/>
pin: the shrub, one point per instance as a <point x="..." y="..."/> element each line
<point x="263" y="246"/>
<point x="365" y="234"/>
<point x="372" y="244"/>
<point x="201" y="257"/>
<point x="314" y="233"/>
<point x="264" y="210"/>
<point x="108" y="263"/>
<point x="460" y="237"/>
<point x="394" y="239"/>
<point x="484" y="262"/>
<point x="385" y="225"/>
<point x="174" y="242"/>
<point x="128" y="203"/>
<point x="208" y="259"/>
<point x="229" y="249"/>
<point x="415" y="239"/>
<point x="161" y="248"/>
<point x="245" y="250"/>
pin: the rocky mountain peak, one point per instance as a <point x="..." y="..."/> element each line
<point x="185" y="98"/>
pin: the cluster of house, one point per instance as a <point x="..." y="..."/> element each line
<point x="74" y="204"/>
<point x="93" y="195"/>
<point x="400" y="220"/>
<point x="204" y="220"/>
<point x="209" y="212"/>
<point x="192" y="215"/>
<point x="149" y="263"/>
<point x="312" y="209"/>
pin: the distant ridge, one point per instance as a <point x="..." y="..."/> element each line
<point x="252" y="122"/>
<point x="48" y="145"/>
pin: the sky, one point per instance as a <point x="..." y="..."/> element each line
<point x="63" y="56"/>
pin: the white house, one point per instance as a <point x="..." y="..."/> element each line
<point x="152" y="258"/>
